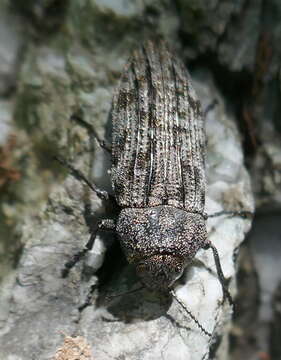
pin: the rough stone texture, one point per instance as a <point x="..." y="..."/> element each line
<point x="257" y="327"/>
<point x="266" y="168"/>
<point x="42" y="16"/>
<point x="230" y="28"/>
<point x="267" y="165"/>
<point x="247" y="308"/>
<point x="265" y="240"/>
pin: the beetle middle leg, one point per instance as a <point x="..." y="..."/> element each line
<point x="244" y="214"/>
<point x="102" y="194"/>
<point x="226" y="293"/>
<point x="102" y="225"/>
<point x="209" y="245"/>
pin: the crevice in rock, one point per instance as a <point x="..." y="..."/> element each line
<point x="235" y="86"/>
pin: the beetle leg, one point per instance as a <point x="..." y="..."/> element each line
<point x="102" y="194"/>
<point x="226" y="293"/>
<point x="102" y="225"/>
<point x="210" y="107"/>
<point x="102" y="143"/>
<point x="243" y="214"/>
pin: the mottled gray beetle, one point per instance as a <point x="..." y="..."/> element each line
<point x="158" y="171"/>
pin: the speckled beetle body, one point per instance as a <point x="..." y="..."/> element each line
<point x="158" y="174"/>
<point x="158" y="171"/>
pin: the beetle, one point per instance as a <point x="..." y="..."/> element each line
<point x="158" y="170"/>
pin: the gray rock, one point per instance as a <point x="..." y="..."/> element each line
<point x="229" y="29"/>
<point x="246" y="321"/>
<point x="265" y="240"/>
<point x="267" y="163"/>
<point x="238" y="45"/>
<point x="41" y="16"/>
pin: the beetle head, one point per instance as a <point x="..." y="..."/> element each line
<point x="159" y="272"/>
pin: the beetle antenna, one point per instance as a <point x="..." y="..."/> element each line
<point x="190" y="314"/>
<point x="109" y="297"/>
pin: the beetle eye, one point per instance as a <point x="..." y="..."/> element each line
<point x="178" y="269"/>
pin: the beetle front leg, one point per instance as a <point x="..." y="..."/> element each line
<point x="102" y="143"/>
<point x="102" y="194"/>
<point x="102" y="225"/>
<point x="210" y="107"/>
